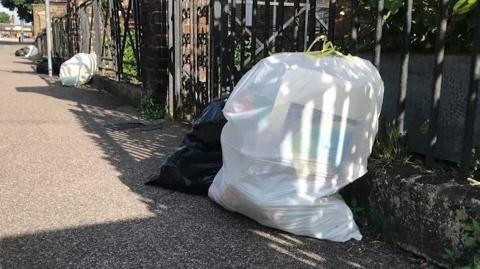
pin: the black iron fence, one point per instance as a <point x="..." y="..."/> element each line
<point x="108" y="28"/>
<point x="212" y="43"/>
<point x="215" y="42"/>
<point x="60" y="34"/>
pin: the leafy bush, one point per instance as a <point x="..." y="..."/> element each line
<point x="390" y="145"/>
<point x="152" y="110"/>
<point x="475" y="169"/>
<point x="471" y="243"/>
<point x="129" y="61"/>
<point x="4" y="17"/>
<point x="247" y="53"/>
<point x="424" y="25"/>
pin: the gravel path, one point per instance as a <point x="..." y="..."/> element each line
<point x="72" y="193"/>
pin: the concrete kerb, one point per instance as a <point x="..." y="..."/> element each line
<point x="130" y="93"/>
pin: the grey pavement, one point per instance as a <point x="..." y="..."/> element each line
<point x="72" y="193"/>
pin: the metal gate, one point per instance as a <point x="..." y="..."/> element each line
<point x="215" y="42"/>
<point x="110" y="28"/>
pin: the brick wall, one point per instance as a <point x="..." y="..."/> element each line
<point x="154" y="48"/>
<point x="57" y="9"/>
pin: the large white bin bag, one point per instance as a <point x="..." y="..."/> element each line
<point x="300" y="127"/>
<point x="32" y="51"/>
<point x="78" y="70"/>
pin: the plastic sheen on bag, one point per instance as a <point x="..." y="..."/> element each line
<point x="32" y="51"/>
<point x="301" y="126"/>
<point x="196" y="162"/>
<point x="78" y="70"/>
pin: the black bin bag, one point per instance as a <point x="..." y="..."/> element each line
<point x="194" y="165"/>
<point x="42" y="66"/>
<point x="21" y="52"/>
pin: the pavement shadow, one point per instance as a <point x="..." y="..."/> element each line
<point x="23" y="62"/>
<point x="186" y="231"/>
<point x="17" y="72"/>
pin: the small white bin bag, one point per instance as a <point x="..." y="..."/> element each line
<point x="78" y="70"/>
<point x="300" y="127"/>
<point x="32" y="51"/>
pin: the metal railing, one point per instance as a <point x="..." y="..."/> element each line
<point x="215" y="42"/>
<point x="108" y="28"/>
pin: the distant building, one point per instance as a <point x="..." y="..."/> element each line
<point x="14" y="31"/>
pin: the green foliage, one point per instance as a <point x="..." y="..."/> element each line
<point x="129" y="62"/>
<point x="152" y="110"/>
<point x="475" y="170"/>
<point x="424" y="25"/>
<point x="247" y="53"/>
<point x="464" y="21"/>
<point x="471" y="243"/>
<point x="471" y="238"/>
<point x="24" y="7"/>
<point x="390" y="145"/>
<point x="463" y="7"/>
<point x="451" y="256"/>
<point x="4" y="17"/>
<point x="393" y="6"/>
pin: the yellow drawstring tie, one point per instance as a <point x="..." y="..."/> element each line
<point x="327" y="48"/>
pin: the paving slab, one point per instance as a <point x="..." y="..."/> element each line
<point x="72" y="193"/>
